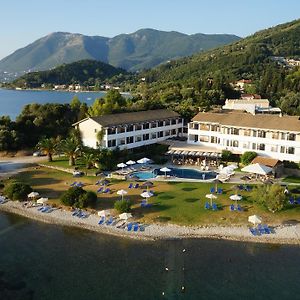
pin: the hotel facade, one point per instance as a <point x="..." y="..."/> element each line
<point x="273" y="136"/>
<point x="130" y="130"/>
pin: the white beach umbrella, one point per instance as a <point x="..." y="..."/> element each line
<point x="122" y="193"/>
<point x="130" y="162"/>
<point x="125" y="216"/>
<point x="121" y="165"/>
<point x="103" y="213"/>
<point x="146" y="194"/>
<point x="143" y="160"/>
<point x="165" y="170"/>
<point x="254" y="219"/>
<point x="211" y="197"/>
<point x="33" y="195"/>
<point x="42" y="200"/>
<point x="236" y="198"/>
<point x="259" y="169"/>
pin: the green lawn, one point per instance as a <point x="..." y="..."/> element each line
<point x="179" y="203"/>
<point x="292" y="179"/>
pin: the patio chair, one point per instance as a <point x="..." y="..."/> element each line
<point x="231" y="207"/>
<point x="297" y="201"/>
<point x="220" y="191"/>
<point x="207" y="206"/>
<point x="100" y="190"/>
<point x="239" y="208"/>
<point x="212" y="190"/>
<point x="130" y="186"/>
<point x="109" y="221"/>
<point x="266" y="229"/>
<point x="292" y="200"/>
<point x="135" y="227"/>
<point x="101" y="221"/>
<point x="137" y="186"/>
<point x="129" y="226"/>
<point x="253" y="231"/>
<point x="260" y="229"/>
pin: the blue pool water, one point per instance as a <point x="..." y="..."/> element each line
<point x="177" y="172"/>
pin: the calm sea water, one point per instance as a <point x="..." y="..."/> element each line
<point x="12" y="101"/>
<point x="40" y="261"/>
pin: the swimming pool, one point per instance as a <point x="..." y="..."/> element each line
<point x="176" y="172"/>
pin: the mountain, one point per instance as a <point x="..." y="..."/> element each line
<point x="84" y="72"/>
<point x="142" y="49"/>
<point x="250" y="57"/>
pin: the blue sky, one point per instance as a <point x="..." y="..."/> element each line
<point x="22" y="22"/>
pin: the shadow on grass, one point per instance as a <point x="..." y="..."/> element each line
<point x="191" y="200"/>
<point x="164" y="196"/>
<point x="173" y="183"/>
<point x="162" y="219"/>
<point x="189" y="189"/>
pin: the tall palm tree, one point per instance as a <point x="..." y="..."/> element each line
<point x="88" y="159"/>
<point x="71" y="147"/>
<point x="47" y="146"/>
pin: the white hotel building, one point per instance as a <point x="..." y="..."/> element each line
<point x="272" y="136"/>
<point x="130" y="130"/>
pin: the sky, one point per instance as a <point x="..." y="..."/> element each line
<point x="23" y="22"/>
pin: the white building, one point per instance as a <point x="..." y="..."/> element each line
<point x="272" y="136"/>
<point x="130" y="130"/>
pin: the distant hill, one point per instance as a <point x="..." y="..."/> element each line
<point x="83" y="72"/>
<point x="250" y="57"/>
<point x="142" y="49"/>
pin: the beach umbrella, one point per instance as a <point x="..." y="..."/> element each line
<point x="144" y="160"/>
<point x="146" y="194"/>
<point x="165" y="170"/>
<point x="42" y="200"/>
<point x="121" y="165"/>
<point x="211" y="197"/>
<point x="147" y="184"/>
<point x="122" y="193"/>
<point x="254" y="219"/>
<point x="103" y="213"/>
<point x="216" y="181"/>
<point x="130" y="162"/>
<point x="236" y="198"/>
<point x="33" y="195"/>
<point x="259" y="169"/>
<point x="125" y="216"/>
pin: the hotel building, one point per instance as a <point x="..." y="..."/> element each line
<point x="273" y="136"/>
<point x="130" y="130"/>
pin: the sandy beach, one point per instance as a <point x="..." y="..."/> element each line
<point x="287" y="234"/>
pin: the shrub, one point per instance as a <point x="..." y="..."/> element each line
<point x="78" y="197"/>
<point x="247" y="157"/>
<point x="123" y="206"/>
<point x="17" y="191"/>
<point x="226" y="155"/>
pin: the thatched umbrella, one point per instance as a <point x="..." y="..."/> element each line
<point x="147" y="184"/>
<point x="216" y="181"/>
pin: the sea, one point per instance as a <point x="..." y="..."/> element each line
<point x="50" y="262"/>
<point x="13" y="101"/>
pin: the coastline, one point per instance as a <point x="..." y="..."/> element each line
<point x="289" y="235"/>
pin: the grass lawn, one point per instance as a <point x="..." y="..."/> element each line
<point x="292" y="179"/>
<point x="181" y="203"/>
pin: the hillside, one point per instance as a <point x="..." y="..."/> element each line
<point x="87" y="72"/>
<point x="142" y="49"/>
<point x="246" y="58"/>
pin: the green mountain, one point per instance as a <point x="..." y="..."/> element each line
<point x="89" y="72"/>
<point x="247" y="58"/>
<point x="142" y="49"/>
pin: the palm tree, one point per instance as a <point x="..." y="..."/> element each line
<point x="88" y="159"/>
<point x="100" y="136"/>
<point x="47" y="146"/>
<point x="71" y="147"/>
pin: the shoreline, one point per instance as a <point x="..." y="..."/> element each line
<point x="286" y="235"/>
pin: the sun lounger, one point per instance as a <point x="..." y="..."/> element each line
<point x="220" y="191"/>
<point x="121" y="225"/>
<point x="212" y="190"/>
<point x="130" y="186"/>
<point x="74" y="183"/>
<point x="207" y="206"/>
<point x="231" y="207"/>
<point x="137" y="186"/>
<point x="135" y="227"/>
<point x="260" y="229"/>
<point x="40" y="208"/>
<point x="45" y="209"/>
<point x="97" y="182"/>
<point x="297" y="201"/>
<point x="266" y="229"/>
<point x="106" y="191"/>
<point x="292" y="200"/>
<point x="100" y="190"/>
<point x="148" y="205"/>
<point x="253" y="231"/>
<point x="239" y="208"/>
<point x="214" y="206"/>
<point x="142" y="227"/>
<point x="101" y="221"/>
<point x="129" y="226"/>
<point x="109" y="221"/>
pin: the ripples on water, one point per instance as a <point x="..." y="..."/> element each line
<point x="40" y="261"/>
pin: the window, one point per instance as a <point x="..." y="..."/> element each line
<point x="261" y="147"/>
<point x="275" y="136"/>
<point x="246" y="145"/>
<point x="121" y="129"/>
<point x="122" y="141"/>
<point x="261" y="134"/>
<point x="153" y="135"/>
<point x="138" y="138"/>
<point x="146" y="126"/>
<point x="129" y="140"/>
<point x="138" y="127"/>
<point x="291" y="150"/>
<point x="160" y="134"/>
<point x="235" y="131"/>
<point x="204" y="127"/>
<point x="112" y="143"/>
<point x="253" y="146"/>
<point x="129" y="128"/>
<point x="145" y="137"/>
<point x="291" y="137"/>
<point x="274" y="149"/>
<point x="167" y="132"/>
<point x="173" y="121"/>
<point x="173" y="132"/>
<point x="283" y="136"/>
<point x="247" y="132"/>
<point x="204" y="138"/>
<point x="95" y="130"/>
<point x="282" y="149"/>
<point x="254" y="133"/>
<point x="153" y="125"/>
<point x="194" y="126"/>
<point x="112" y="130"/>
<point x="214" y="128"/>
<point x="167" y="122"/>
<point x="214" y="139"/>
<point x="235" y="144"/>
<point x="196" y="138"/>
<point x="160" y="123"/>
